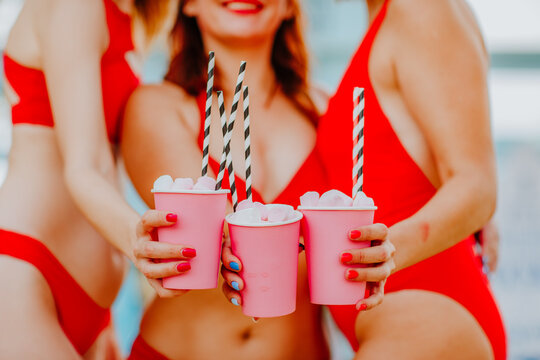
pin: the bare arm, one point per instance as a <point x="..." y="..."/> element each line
<point x="442" y="68"/>
<point x="73" y="40"/>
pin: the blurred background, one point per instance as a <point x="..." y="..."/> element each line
<point x="512" y="33"/>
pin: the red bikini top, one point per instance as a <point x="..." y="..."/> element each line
<point x="391" y="177"/>
<point x="117" y="79"/>
<point x="310" y="176"/>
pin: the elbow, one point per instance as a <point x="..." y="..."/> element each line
<point x="486" y="199"/>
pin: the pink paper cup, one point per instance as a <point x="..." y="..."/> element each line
<point x="200" y="226"/>
<point x="269" y="255"/>
<point x="326" y="235"/>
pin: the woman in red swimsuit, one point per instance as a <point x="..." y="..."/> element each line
<point x="429" y="165"/>
<point x="68" y="76"/>
<point x="163" y="135"/>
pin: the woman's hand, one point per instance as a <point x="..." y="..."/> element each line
<point x="147" y="252"/>
<point x="230" y="267"/>
<point x="489" y="240"/>
<point x="380" y="256"/>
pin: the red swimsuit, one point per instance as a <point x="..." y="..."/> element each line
<point x="399" y="189"/>
<point x="80" y="317"/>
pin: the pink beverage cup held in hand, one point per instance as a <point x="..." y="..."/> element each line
<point x="201" y="214"/>
<point x="326" y="235"/>
<point x="269" y="255"/>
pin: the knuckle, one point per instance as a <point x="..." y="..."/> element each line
<point x="359" y="256"/>
<point x="144" y="220"/>
<point x="384" y="254"/>
<point x="147" y="272"/>
<point x="147" y="248"/>
<point x="384" y="230"/>
<point x="386" y="272"/>
<point x="392" y="249"/>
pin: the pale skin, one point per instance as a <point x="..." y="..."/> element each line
<point x="61" y="188"/>
<point x="456" y="154"/>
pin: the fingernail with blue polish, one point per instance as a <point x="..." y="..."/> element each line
<point x="235" y="286"/>
<point x="234" y="265"/>
<point x="235" y="301"/>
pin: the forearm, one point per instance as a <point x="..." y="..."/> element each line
<point x="461" y="206"/>
<point x="103" y="205"/>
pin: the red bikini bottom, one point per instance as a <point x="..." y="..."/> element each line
<point x="456" y="273"/>
<point x="141" y="350"/>
<point x="79" y="316"/>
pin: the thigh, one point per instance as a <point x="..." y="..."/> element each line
<point x="29" y="328"/>
<point x="417" y="324"/>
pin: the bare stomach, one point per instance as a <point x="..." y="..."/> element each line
<point x="204" y="325"/>
<point x="35" y="202"/>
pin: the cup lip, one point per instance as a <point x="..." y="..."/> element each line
<point x="186" y="191"/>
<point x="337" y="208"/>
<point x="267" y="224"/>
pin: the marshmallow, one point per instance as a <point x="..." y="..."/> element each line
<point x="263" y="209"/>
<point x="311" y="198"/>
<point x="163" y="183"/>
<point x="335" y="198"/>
<point x="245" y="204"/>
<point x="205" y="183"/>
<point x="362" y="200"/>
<point x="247" y="216"/>
<point x="278" y="212"/>
<point x="182" y="184"/>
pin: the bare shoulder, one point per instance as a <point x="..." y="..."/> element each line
<point x="423" y="10"/>
<point x="425" y="19"/>
<point x="29" y="320"/>
<point x="81" y="11"/>
<point x="53" y="17"/>
<point x="161" y="104"/>
<point x="446" y="25"/>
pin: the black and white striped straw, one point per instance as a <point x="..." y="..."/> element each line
<point x="247" y="143"/>
<point x="208" y="117"/>
<point x="358" y="140"/>
<point x="223" y="117"/>
<point x="230" y="126"/>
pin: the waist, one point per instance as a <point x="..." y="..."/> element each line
<point x="35" y="201"/>
<point x="219" y="330"/>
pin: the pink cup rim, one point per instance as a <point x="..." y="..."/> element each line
<point x="298" y="217"/>
<point x="337" y="208"/>
<point x="204" y="192"/>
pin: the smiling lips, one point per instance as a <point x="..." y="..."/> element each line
<point x="244" y="7"/>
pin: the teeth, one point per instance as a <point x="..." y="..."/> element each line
<point x="241" y="6"/>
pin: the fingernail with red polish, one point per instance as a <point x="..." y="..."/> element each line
<point x="346" y="257"/>
<point x="362" y="307"/>
<point x="189" y="253"/>
<point x="352" y="274"/>
<point x="183" y="267"/>
<point x="171" y="217"/>
<point x="355" y="234"/>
